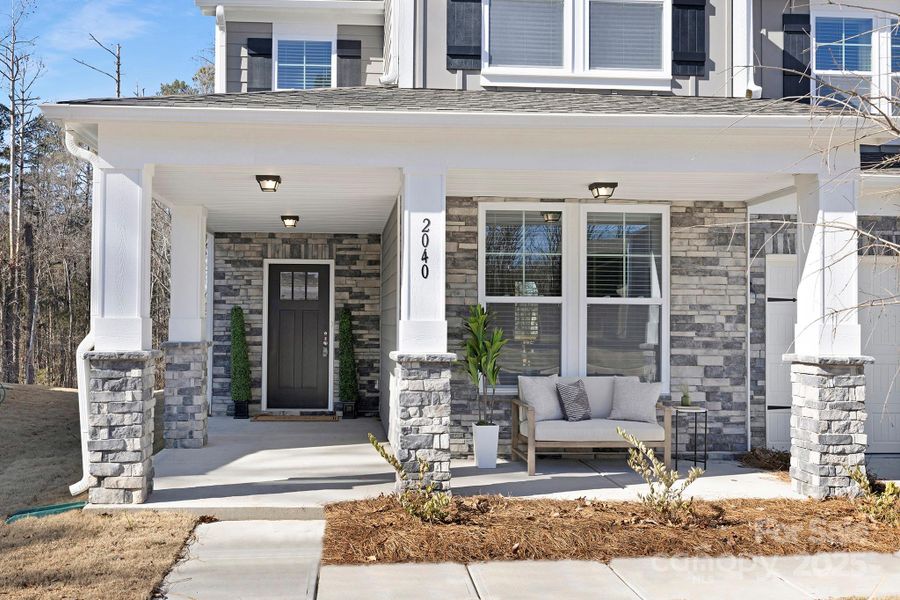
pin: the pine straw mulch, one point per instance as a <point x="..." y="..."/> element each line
<point x="767" y="459"/>
<point x="497" y="528"/>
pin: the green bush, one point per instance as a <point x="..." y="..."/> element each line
<point x="348" y="390"/>
<point x="882" y="504"/>
<point x="240" y="360"/>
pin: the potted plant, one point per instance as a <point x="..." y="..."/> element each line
<point x="349" y="380"/>
<point x="685" y="396"/>
<point x="483" y="350"/>
<point x="240" y="365"/>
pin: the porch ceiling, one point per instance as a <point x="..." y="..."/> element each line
<point x="328" y="199"/>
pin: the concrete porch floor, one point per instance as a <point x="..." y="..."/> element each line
<point x="290" y="470"/>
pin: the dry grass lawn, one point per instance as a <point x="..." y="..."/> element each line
<point x="75" y="555"/>
<point x="90" y="556"/>
<point x="40" y="448"/>
<point x="497" y="528"/>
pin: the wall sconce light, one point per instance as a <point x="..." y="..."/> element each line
<point x="268" y="183"/>
<point x="603" y="190"/>
<point x="551" y="217"/>
<point x="290" y="221"/>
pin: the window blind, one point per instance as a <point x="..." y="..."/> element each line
<point x="304" y="65"/>
<point x="843" y="44"/>
<point x="526" y="33"/>
<point x="625" y="35"/>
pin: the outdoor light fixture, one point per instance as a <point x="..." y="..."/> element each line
<point x="290" y="220"/>
<point x="603" y="190"/>
<point x="551" y="217"/>
<point x="268" y="183"/>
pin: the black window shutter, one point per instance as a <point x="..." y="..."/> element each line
<point x="259" y="64"/>
<point x="464" y="35"/>
<point x="795" y="60"/>
<point x="688" y="37"/>
<point x="349" y="63"/>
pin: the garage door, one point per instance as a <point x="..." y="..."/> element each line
<point x="879" y="278"/>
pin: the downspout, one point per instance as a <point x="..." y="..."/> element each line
<point x="747" y="316"/>
<point x="392" y="75"/>
<point x="86" y="345"/>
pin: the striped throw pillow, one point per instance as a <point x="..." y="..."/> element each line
<point x="574" y="401"/>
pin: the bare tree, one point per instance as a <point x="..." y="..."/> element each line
<point x="116" y="52"/>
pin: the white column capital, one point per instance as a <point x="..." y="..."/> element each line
<point x="187" y="292"/>
<point x="828" y="261"/>
<point x="423" y="288"/>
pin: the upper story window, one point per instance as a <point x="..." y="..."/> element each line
<point x="303" y="65"/>
<point x="855" y="55"/>
<point x="624" y="44"/>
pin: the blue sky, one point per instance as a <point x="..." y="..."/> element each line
<point x="160" y="42"/>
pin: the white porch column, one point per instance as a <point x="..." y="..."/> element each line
<point x="828" y="415"/>
<point x="423" y="319"/>
<point x="187" y="351"/>
<point x="120" y="260"/>
<point x="187" y="319"/>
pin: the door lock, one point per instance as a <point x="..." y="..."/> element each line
<point x="325" y="344"/>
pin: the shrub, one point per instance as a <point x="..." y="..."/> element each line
<point x="424" y="502"/>
<point x="240" y="360"/>
<point x="348" y="389"/>
<point x="882" y="505"/>
<point x="665" y="497"/>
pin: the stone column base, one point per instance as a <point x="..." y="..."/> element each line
<point x="186" y="402"/>
<point x="423" y="416"/>
<point x="121" y="426"/>
<point x="828" y="419"/>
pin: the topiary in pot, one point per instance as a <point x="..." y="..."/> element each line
<point x="240" y="365"/>
<point x="348" y="390"/>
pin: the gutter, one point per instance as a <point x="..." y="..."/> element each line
<point x="86" y="345"/>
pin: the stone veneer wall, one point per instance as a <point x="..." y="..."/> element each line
<point x="239" y="282"/>
<point x="708" y="317"/>
<point x="777" y="234"/>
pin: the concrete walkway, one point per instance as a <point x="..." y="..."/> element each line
<point x="274" y="560"/>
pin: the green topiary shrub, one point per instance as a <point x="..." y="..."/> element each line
<point x="348" y="389"/>
<point x="240" y="360"/>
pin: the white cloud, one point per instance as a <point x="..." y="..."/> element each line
<point x="109" y="20"/>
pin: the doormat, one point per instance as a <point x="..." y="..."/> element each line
<point x="310" y="417"/>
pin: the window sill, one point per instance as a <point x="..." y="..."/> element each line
<point x="636" y="81"/>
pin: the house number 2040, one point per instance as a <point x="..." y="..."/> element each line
<point x="426" y="240"/>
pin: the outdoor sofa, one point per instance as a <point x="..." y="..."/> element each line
<point x="540" y="426"/>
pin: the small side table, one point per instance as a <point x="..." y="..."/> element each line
<point x="696" y="411"/>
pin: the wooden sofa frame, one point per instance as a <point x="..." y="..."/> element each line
<point x="528" y="448"/>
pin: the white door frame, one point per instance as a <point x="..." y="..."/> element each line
<point x="265" y="329"/>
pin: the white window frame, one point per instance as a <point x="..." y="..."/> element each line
<point x="879" y="76"/>
<point x="301" y="33"/>
<point x="576" y="71"/>
<point x="663" y="302"/>
<point x="573" y="300"/>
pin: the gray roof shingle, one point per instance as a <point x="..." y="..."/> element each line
<point x="429" y="100"/>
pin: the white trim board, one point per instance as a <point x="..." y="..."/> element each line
<point x="265" y="330"/>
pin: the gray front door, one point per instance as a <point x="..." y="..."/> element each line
<point x="299" y="336"/>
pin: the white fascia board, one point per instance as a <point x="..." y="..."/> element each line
<point x="833" y="127"/>
<point x="208" y="7"/>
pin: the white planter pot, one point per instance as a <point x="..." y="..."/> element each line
<point x="486" y="438"/>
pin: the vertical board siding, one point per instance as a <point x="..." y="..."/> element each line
<point x="689" y="37"/>
<point x="464" y="34"/>
<point x="796" y="57"/>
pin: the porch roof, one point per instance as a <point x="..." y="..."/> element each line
<point x="462" y="101"/>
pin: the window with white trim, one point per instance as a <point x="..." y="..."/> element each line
<point x="303" y="64"/>
<point x="522" y="269"/>
<point x="613" y="322"/>
<point x="623" y="44"/>
<point x="895" y="67"/>
<point x="623" y="284"/>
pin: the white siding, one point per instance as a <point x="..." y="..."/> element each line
<point x="390" y="310"/>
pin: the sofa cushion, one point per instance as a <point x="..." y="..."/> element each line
<point x="540" y="394"/>
<point x="634" y="400"/>
<point x="596" y="430"/>
<point x="574" y="401"/>
<point x="599" y="392"/>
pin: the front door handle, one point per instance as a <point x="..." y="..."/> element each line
<point x="325" y="344"/>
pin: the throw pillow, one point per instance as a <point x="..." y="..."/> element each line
<point x="574" y="401"/>
<point x="540" y="393"/>
<point x="634" y="400"/>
